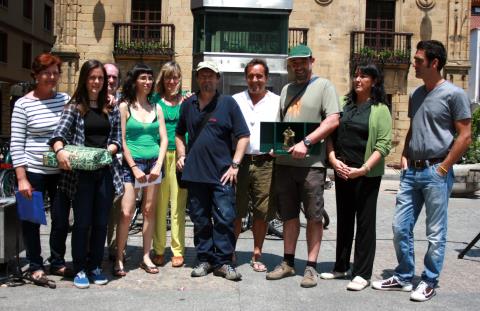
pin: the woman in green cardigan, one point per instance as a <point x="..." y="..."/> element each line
<point x="356" y="152"/>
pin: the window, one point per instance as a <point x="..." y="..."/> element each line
<point x="27" y="9"/>
<point x="240" y="33"/>
<point x="146" y="11"/>
<point x="47" y="18"/>
<point x="380" y="17"/>
<point x="3" y="3"/>
<point x="476" y="10"/>
<point x="3" y="46"/>
<point x="27" y="55"/>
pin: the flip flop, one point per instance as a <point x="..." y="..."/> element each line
<point x="258" y="266"/>
<point x="149" y="269"/>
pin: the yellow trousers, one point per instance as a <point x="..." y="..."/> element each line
<point x="175" y="197"/>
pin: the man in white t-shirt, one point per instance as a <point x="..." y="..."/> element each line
<point x="255" y="173"/>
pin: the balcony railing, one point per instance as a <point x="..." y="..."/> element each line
<point x="380" y="47"/>
<point x="297" y="36"/>
<point x="144" y="39"/>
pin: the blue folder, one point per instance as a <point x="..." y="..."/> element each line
<point x="31" y="210"/>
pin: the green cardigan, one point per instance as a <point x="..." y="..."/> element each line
<point x="379" y="136"/>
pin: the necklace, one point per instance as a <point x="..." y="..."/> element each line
<point x="171" y="112"/>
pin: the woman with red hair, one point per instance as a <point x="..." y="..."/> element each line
<point x="35" y="116"/>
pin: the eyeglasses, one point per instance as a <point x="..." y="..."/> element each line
<point x="112" y="76"/>
<point x="174" y="79"/>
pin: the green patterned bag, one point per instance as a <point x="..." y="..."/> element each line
<point x="81" y="158"/>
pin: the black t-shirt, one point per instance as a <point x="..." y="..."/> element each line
<point x="211" y="154"/>
<point x="352" y="133"/>
<point x="97" y="128"/>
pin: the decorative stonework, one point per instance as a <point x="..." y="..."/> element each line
<point x="426" y="4"/>
<point x="323" y="2"/>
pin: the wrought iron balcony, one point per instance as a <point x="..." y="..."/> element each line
<point x="297" y="36"/>
<point x="380" y="47"/>
<point x="143" y="39"/>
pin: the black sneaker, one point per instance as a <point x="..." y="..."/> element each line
<point x="202" y="269"/>
<point x="423" y="292"/>
<point x="228" y="272"/>
<point x="392" y="284"/>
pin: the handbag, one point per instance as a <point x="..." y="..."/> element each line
<point x="183" y="184"/>
<point x="81" y="158"/>
<point x="31" y="210"/>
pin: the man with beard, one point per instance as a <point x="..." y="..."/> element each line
<point x="299" y="178"/>
<point x="212" y="121"/>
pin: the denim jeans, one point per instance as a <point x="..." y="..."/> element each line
<point x="91" y="207"/>
<point x="31" y="231"/>
<point x="419" y="187"/>
<point x="212" y="211"/>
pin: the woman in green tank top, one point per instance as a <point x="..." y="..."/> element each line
<point x="144" y="140"/>
<point x="170" y="97"/>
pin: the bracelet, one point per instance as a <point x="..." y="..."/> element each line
<point x="443" y="169"/>
<point x="58" y="150"/>
<point x="365" y="165"/>
<point x="133" y="165"/>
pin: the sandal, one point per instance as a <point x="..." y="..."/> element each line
<point x="258" y="266"/>
<point x="63" y="271"/>
<point x="149" y="269"/>
<point x="177" y="261"/>
<point x="118" y="272"/>
<point x="39" y="278"/>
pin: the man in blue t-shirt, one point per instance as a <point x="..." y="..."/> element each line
<point x="213" y="122"/>
<point x="437" y="110"/>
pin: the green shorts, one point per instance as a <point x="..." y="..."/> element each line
<point x="254" y="183"/>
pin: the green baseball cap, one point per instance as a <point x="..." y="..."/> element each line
<point x="299" y="51"/>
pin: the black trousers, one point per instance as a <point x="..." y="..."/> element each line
<point x="356" y="198"/>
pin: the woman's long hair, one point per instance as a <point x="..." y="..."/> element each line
<point x="377" y="93"/>
<point x="169" y="69"/>
<point x="80" y="96"/>
<point x="129" y="88"/>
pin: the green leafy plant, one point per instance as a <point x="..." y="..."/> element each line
<point x="472" y="155"/>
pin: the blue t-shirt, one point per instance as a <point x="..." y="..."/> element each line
<point x="211" y="154"/>
<point x="432" y="115"/>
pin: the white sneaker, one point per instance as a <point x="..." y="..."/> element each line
<point x="333" y="275"/>
<point x="358" y="283"/>
<point x="423" y="292"/>
<point x="392" y="283"/>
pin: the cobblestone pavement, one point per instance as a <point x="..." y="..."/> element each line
<point x="174" y="289"/>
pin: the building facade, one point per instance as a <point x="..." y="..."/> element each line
<point x="341" y="33"/>
<point x="26" y="29"/>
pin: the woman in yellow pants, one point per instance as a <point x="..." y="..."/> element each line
<point x="169" y="97"/>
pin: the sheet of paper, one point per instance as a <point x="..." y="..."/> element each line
<point x="145" y="184"/>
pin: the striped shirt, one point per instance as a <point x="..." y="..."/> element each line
<point x="33" y="123"/>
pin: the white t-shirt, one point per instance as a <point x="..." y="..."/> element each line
<point x="265" y="110"/>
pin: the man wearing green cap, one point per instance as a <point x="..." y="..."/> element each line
<point x="299" y="177"/>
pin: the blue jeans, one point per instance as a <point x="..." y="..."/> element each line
<point x="91" y="207"/>
<point x="419" y="187"/>
<point x="212" y="211"/>
<point x="46" y="184"/>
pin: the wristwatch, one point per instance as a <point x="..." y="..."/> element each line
<point x="235" y="164"/>
<point x="307" y="142"/>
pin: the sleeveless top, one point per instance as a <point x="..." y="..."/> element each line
<point x="143" y="139"/>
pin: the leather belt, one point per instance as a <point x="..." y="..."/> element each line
<point x="257" y="157"/>
<point x="421" y="164"/>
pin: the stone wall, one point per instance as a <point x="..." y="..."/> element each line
<point x="88" y="32"/>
